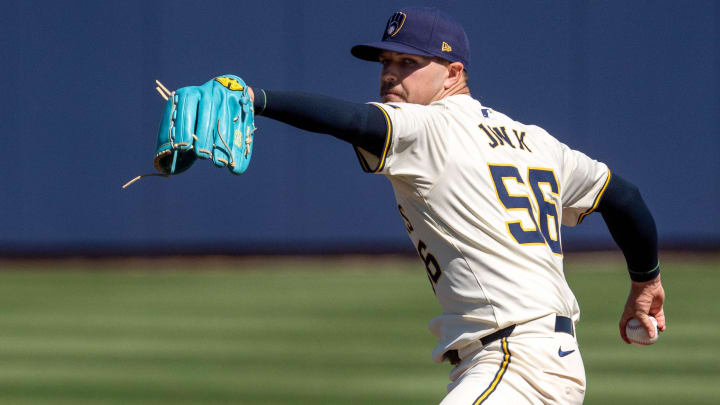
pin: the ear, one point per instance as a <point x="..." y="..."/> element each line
<point x="455" y="70"/>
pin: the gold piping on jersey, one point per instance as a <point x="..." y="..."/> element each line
<point x="386" y="148"/>
<point x="388" y="136"/>
<point x="597" y="199"/>
<point x="498" y="376"/>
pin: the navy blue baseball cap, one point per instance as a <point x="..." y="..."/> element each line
<point x="424" y="31"/>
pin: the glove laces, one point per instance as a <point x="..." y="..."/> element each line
<point x="167" y="95"/>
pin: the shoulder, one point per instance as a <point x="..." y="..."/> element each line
<point x="410" y="118"/>
<point x="534" y="130"/>
<point x="446" y="105"/>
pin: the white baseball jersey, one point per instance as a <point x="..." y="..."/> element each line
<point x="482" y="197"/>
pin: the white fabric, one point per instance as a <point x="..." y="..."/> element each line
<point x="440" y="160"/>
<point x="526" y="369"/>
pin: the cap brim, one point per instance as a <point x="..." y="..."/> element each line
<point x="371" y="51"/>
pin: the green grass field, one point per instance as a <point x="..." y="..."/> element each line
<point x="303" y="331"/>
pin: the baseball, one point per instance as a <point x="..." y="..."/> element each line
<point x="637" y="333"/>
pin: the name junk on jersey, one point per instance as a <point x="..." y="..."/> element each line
<point x="498" y="137"/>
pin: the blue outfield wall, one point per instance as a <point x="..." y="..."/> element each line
<point x="634" y="84"/>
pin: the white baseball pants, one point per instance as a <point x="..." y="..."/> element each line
<point x="534" y="365"/>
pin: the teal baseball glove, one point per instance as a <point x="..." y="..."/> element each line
<point x="213" y="121"/>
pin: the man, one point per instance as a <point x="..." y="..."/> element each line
<point x="482" y="198"/>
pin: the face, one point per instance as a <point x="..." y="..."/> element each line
<point x="411" y="78"/>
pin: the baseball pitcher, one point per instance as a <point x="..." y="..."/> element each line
<point x="482" y="197"/>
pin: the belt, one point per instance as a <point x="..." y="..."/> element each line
<point x="562" y="324"/>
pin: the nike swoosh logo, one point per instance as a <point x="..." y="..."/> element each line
<point x="561" y="353"/>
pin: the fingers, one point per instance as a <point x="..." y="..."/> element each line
<point x="654" y="293"/>
<point x="660" y="317"/>
<point x="646" y="323"/>
<point x="656" y="308"/>
<point x="623" y="325"/>
<point x="645" y="299"/>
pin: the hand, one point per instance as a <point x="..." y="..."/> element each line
<point x="645" y="299"/>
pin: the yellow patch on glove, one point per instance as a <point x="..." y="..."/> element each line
<point x="230" y="83"/>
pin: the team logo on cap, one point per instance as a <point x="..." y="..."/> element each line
<point x="395" y="24"/>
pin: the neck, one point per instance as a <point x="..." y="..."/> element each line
<point x="457" y="88"/>
<point x="462" y="90"/>
<point x="460" y="87"/>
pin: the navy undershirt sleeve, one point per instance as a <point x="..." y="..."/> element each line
<point x="632" y="227"/>
<point x="362" y="125"/>
<point x="622" y="207"/>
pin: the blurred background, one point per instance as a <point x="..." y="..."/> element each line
<point x="633" y="84"/>
<point x="296" y="283"/>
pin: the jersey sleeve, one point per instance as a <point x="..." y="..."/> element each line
<point x="414" y="147"/>
<point x="584" y="181"/>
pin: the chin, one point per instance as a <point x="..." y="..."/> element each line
<point x="392" y="98"/>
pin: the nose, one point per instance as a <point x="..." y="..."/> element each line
<point x="388" y="74"/>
